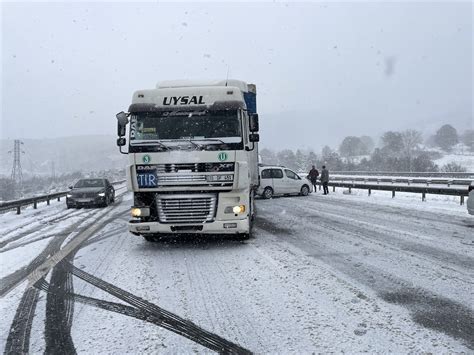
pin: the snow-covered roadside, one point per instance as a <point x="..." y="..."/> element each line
<point x="441" y="203"/>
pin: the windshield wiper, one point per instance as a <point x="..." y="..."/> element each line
<point x="152" y="143"/>
<point x="212" y="140"/>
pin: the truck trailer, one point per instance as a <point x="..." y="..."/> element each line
<point x="193" y="158"/>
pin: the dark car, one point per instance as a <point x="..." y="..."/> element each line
<point x="90" y="192"/>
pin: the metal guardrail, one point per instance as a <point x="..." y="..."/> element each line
<point x="18" y="204"/>
<point x="462" y="192"/>
<point x="463" y="175"/>
<point x="405" y="180"/>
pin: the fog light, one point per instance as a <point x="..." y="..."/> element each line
<point x="140" y="212"/>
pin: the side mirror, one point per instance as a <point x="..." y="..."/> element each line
<point x="253" y="122"/>
<point x="122" y="120"/>
<point x="121" y="141"/>
<point x="254" y="137"/>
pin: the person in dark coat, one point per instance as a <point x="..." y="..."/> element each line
<point x="325" y="179"/>
<point x="313" y="177"/>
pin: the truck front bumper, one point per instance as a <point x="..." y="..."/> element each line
<point x="236" y="226"/>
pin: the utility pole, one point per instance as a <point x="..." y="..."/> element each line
<point x="17" y="175"/>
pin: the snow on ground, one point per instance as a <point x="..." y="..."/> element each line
<point x="337" y="273"/>
<point x="440" y="203"/>
<point x="466" y="161"/>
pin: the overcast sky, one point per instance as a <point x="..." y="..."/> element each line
<point x="68" y="68"/>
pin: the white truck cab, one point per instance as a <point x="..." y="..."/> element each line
<point x="193" y="157"/>
<point x="278" y="180"/>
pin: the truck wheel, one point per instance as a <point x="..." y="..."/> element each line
<point x="304" y="191"/>
<point x="268" y="193"/>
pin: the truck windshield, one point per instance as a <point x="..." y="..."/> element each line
<point x="208" y="128"/>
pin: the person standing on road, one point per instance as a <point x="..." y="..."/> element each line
<point x="325" y="179"/>
<point x="313" y="177"/>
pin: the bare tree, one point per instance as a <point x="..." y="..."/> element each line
<point x="411" y="140"/>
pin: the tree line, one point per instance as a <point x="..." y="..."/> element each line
<point x="397" y="151"/>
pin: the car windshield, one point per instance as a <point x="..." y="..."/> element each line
<point x="209" y="127"/>
<point x="90" y="183"/>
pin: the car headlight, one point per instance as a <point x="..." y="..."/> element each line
<point x="102" y="194"/>
<point x="69" y="195"/>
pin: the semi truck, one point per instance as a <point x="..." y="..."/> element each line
<point x="192" y="158"/>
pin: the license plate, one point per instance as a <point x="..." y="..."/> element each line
<point x="83" y="200"/>
<point x="147" y="178"/>
<point x="220" y="178"/>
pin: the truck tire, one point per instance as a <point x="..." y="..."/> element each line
<point x="268" y="193"/>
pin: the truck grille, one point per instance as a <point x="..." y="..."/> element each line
<point x="186" y="208"/>
<point x="194" y="167"/>
<point x="164" y="179"/>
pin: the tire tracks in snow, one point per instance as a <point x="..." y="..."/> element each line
<point x="45" y="225"/>
<point x="60" y="310"/>
<point x="426" y="308"/>
<point x="162" y="317"/>
<point x="18" y="341"/>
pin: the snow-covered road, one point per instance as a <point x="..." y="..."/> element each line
<point x="323" y="274"/>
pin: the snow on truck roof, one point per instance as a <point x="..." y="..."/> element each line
<point x="218" y="94"/>
<point x="241" y="85"/>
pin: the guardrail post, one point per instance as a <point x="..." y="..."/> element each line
<point x="370" y="191"/>
<point x="59" y="198"/>
<point x="462" y="200"/>
<point x="423" y="196"/>
<point x="18" y="210"/>
<point x="35" y="204"/>
<point x="393" y="193"/>
<point x="47" y="201"/>
<point x="334" y="188"/>
<point x="350" y="189"/>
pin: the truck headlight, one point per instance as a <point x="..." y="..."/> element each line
<point x="235" y="209"/>
<point x="140" y="212"/>
<point x="102" y="194"/>
<point x="69" y="195"/>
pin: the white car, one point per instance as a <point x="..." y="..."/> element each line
<point x="277" y="180"/>
<point x="470" y="200"/>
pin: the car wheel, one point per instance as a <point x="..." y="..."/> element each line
<point x="268" y="193"/>
<point x="304" y="191"/>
